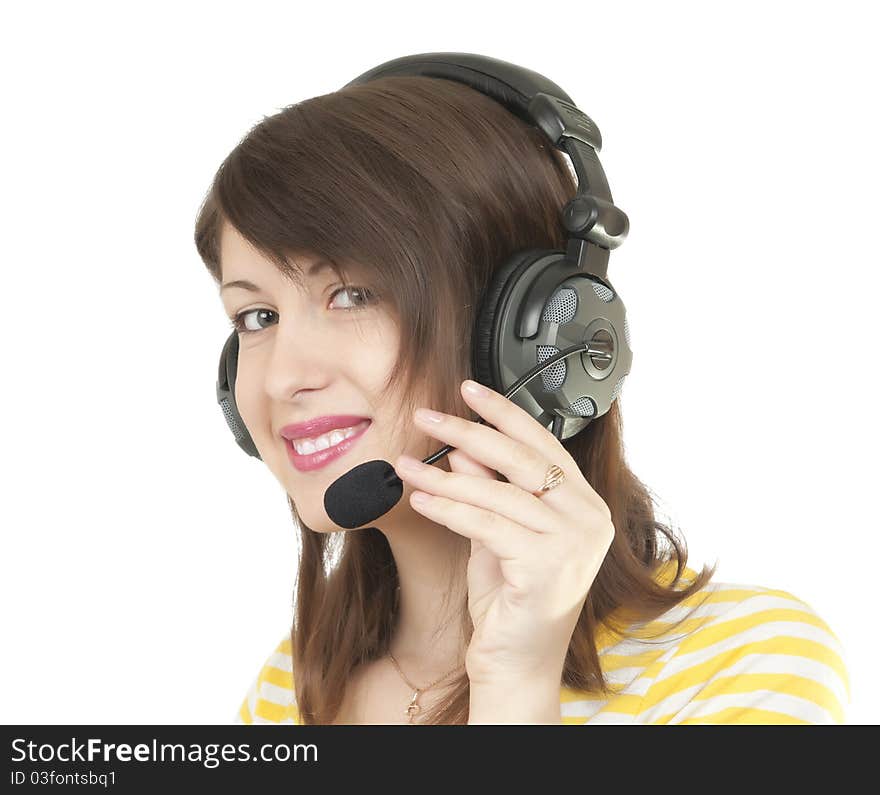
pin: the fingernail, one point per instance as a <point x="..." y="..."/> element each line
<point x="426" y="415"/>
<point x="475" y="389"/>
<point x="408" y="463"/>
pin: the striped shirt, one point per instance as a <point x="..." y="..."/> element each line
<point x="746" y="654"/>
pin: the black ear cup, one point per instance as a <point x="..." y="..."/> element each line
<point x="226" y="396"/>
<point x="575" y="308"/>
<point x="486" y="328"/>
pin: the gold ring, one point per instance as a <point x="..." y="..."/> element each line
<point x="552" y="479"/>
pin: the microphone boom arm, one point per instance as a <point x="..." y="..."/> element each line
<point x="600" y="353"/>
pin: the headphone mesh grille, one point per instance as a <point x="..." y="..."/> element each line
<point x="554" y="376"/>
<point x="617" y="387"/>
<point x="602" y="291"/>
<point x="626" y="331"/>
<point x="561" y="307"/>
<point x="230" y="419"/>
<point x="584" y="406"/>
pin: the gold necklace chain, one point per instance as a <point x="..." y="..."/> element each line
<point x="414" y="708"/>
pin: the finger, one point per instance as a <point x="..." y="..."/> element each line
<point x="492" y="496"/>
<point x="522" y="464"/>
<point x="460" y="461"/>
<point x="514" y="422"/>
<point x="505" y="539"/>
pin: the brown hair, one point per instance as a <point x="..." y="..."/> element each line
<point x="429" y="185"/>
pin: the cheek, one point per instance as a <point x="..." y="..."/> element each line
<point x="245" y="401"/>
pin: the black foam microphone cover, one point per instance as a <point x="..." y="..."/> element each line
<point x="363" y="494"/>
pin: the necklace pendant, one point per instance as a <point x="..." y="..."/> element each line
<point x="413" y="709"/>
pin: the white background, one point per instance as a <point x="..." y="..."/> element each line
<point x="149" y="563"/>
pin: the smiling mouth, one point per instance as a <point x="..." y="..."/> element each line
<point x="311" y="461"/>
<point x="327" y="440"/>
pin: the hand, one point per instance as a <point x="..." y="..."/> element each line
<point x="532" y="559"/>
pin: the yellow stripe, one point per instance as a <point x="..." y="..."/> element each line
<point x="695" y="636"/>
<point x="614" y="662"/>
<point x="277" y="676"/>
<point x="630" y="705"/>
<point x="269" y="710"/>
<point x="567" y="695"/>
<point x="742" y="715"/>
<point x="715" y="595"/>
<point x="702" y="672"/>
<point x="668" y="631"/>
<point x="788" y="684"/>
<point x="658" y="627"/>
<point x="725" y="629"/>
<point x="608" y="636"/>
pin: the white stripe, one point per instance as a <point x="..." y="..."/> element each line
<point x="717" y="608"/>
<point x="275" y="694"/>
<point x="753" y="664"/>
<point x="581" y="709"/>
<point x="734" y="609"/>
<point x="736" y="586"/>
<point x="766" y="631"/>
<point x="667" y="637"/>
<point x="611" y="717"/>
<point x="752" y="604"/>
<point x="632" y="647"/>
<point x="631" y="679"/>
<point x="586" y="707"/>
<point x="801" y="708"/>
<point x="280" y="660"/>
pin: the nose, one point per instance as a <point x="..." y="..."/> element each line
<point x="300" y="359"/>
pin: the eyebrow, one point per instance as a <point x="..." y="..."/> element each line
<point x="320" y="265"/>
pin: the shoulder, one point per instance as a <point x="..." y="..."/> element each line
<point x="271" y="698"/>
<point x="748" y="654"/>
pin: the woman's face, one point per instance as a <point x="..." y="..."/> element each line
<point x="312" y="354"/>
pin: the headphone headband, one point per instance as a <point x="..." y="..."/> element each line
<point x="590" y="217"/>
<point x="511" y="85"/>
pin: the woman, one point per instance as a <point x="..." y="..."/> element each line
<point x="355" y="234"/>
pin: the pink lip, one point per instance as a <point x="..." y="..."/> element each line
<point x="312" y="461"/>
<point x="319" y="425"/>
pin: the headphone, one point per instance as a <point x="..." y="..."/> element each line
<point x="543" y="306"/>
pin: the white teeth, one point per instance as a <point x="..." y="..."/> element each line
<point x="322" y="442"/>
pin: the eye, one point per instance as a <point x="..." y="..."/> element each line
<point x="238" y="322"/>
<point x="364" y="295"/>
